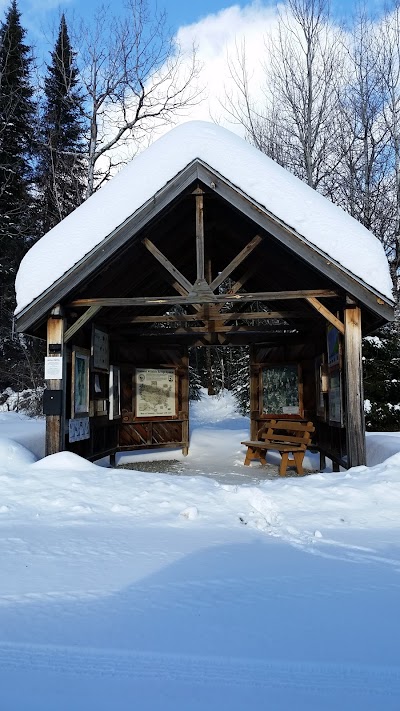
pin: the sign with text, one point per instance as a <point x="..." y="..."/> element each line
<point x="53" y="368"/>
<point x="155" y="392"/>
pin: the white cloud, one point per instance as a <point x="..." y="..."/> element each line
<point x="217" y="37"/>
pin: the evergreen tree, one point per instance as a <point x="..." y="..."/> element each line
<point x="61" y="164"/>
<point x="16" y="150"/>
<point x="240" y="379"/>
<point x="381" y="358"/>
<point x="17" y="230"/>
<point x="194" y="384"/>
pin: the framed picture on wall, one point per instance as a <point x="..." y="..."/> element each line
<point x="333" y="346"/>
<point x="321" y="386"/>
<point x="100" y="350"/>
<point x="335" y="397"/>
<point x="80" y="382"/>
<point x="281" y="390"/>
<point x="115" y="393"/>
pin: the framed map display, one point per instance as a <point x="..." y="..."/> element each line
<point x="155" y="392"/>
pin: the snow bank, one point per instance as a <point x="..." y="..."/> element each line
<point x="316" y="219"/>
<point x="381" y="446"/>
<point x="66" y="461"/>
<point x="14" y="455"/>
<point x="28" y="431"/>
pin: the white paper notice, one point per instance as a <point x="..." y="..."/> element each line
<point x="53" y="368"/>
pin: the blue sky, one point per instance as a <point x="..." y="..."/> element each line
<point x="39" y="15"/>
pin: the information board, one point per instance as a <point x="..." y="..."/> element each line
<point x="155" y="392"/>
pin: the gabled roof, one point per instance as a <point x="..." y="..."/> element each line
<point x="313" y="219"/>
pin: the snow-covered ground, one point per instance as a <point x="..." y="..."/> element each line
<point x="123" y="589"/>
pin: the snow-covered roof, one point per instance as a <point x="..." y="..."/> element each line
<point x="313" y="217"/>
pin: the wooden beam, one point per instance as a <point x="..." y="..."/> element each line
<point x="89" y="314"/>
<point x="55" y="336"/>
<point x="185" y="283"/>
<point x="211" y="339"/>
<point x="166" y="318"/>
<point x="220" y="316"/>
<point x="235" y="262"/>
<point x="181" y="291"/>
<point x="355" y="425"/>
<point x="257" y="315"/>
<point x="199" y="234"/>
<point x="243" y="279"/>
<point x="213" y="327"/>
<point x="325" y="313"/>
<point x="202" y="298"/>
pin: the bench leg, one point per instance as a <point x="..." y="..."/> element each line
<point x="284" y="463"/>
<point x="298" y="458"/>
<point x="250" y="455"/>
<point x="254" y="453"/>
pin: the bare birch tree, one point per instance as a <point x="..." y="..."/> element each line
<point x="389" y="72"/>
<point x="294" y="119"/>
<point x="135" y="80"/>
<point x="305" y="61"/>
<point x="363" y="175"/>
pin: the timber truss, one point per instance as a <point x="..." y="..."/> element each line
<point x="213" y="312"/>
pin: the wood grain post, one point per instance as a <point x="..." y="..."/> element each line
<point x="355" y="423"/>
<point x="254" y="395"/>
<point x="185" y="403"/>
<point x="54" y="423"/>
<point x="199" y="234"/>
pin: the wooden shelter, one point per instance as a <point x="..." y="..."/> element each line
<point x="201" y="263"/>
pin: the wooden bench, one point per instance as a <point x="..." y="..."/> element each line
<point x="283" y="436"/>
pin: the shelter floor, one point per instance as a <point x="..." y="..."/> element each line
<point x="236" y="475"/>
<point x="215" y="451"/>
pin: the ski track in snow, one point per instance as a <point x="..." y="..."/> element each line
<point x="313" y="676"/>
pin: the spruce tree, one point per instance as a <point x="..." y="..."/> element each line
<point x="381" y="359"/>
<point x="61" y="164"/>
<point x="16" y="151"/>
<point x="17" y="230"/>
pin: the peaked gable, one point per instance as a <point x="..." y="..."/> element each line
<point x="312" y="217"/>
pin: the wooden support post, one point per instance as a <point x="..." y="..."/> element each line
<point x="185" y="404"/>
<point x="254" y="395"/>
<point x="354" y="386"/>
<point x="55" y="337"/>
<point x="200" y="234"/>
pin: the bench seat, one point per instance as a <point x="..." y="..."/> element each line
<point x="283" y="436"/>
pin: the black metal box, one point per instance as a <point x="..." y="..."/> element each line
<point x="52" y="402"/>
